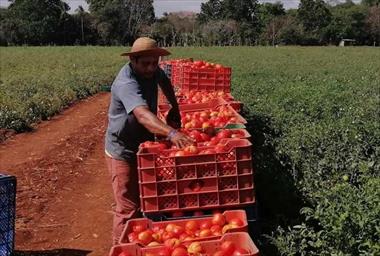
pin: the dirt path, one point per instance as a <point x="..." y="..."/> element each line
<point x="64" y="197"/>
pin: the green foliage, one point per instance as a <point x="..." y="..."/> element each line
<point x="346" y="221"/>
<point x="121" y="21"/>
<point x="314" y="16"/>
<point x="35" y="22"/>
<point x="313" y="114"/>
<point x="37" y="83"/>
<point x="348" y="21"/>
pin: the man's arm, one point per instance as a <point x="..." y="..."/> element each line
<point x="154" y="125"/>
<point x="150" y="121"/>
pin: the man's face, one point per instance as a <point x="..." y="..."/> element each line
<point x="145" y="66"/>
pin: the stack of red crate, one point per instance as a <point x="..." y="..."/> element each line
<point x="214" y="174"/>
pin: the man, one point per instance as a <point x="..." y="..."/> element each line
<point x="133" y="120"/>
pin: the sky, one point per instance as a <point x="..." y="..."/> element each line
<point x="161" y="6"/>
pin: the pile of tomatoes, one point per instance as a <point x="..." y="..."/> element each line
<point x="172" y="236"/>
<point x="218" y="117"/>
<point x="193" y="97"/>
<point x="191" y="230"/>
<point x="213" y="140"/>
<point x="199" y="64"/>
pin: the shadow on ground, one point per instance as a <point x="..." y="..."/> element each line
<point x="55" y="252"/>
<point x="278" y="200"/>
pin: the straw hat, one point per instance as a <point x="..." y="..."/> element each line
<point x="145" y="46"/>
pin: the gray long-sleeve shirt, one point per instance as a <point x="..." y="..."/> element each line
<point x="128" y="91"/>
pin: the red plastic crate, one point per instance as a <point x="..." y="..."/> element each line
<point x="214" y="103"/>
<point x="198" y="181"/>
<point x="147" y="223"/>
<point x="208" y="79"/>
<point x="241" y="239"/>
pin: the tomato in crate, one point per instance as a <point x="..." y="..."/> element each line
<point x="148" y="231"/>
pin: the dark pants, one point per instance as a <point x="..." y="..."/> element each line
<point x="126" y="193"/>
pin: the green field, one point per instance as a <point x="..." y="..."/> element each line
<point x="313" y="114"/>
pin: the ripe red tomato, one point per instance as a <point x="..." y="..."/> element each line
<point x="195" y="248"/>
<point x="154" y="243"/>
<point x="204" y="114"/>
<point x="224" y="134"/>
<point x="188" y="125"/>
<point x="196" y="123"/>
<point x="205" y="224"/>
<point x="191" y="150"/>
<point x="205" y="233"/>
<point x="205" y="137"/>
<point x="172" y="243"/>
<point x="191" y="225"/>
<point x="167" y="235"/>
<point x="214" y="141"/>
<point x="164" y="252"/>
<point x="145" y="237"/>
<point x="228" y="247"/>
<point x="170" y="227"/>
<point x="216" y="228"/>
<point x="157" y="236"/>
<point x="196" y="135"/>
<point x="183" y="236"/>
<point x="220" y="148"/>
<point x="180" y="251"/>
<point x="236" y="221"/>
<point x="240" y="251"/>
<point x="218" y="219"/>
<point x="178" y="230"/>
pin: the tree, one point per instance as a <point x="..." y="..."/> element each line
<point x="120" y="21"/>
<point x="267" y="13"/>
<point x="80" y="11"/>
<point x="314" y="17"/>
<point x="3" y="20"/>
<point x="161" y="31"/>
<point x="241" y="10"/>
<point x="371" y="2"/>
<point x="220" y="32"/>
<point x="348" y="21"/>
<point x="373" y="24"/>
<point x="270" y="10"/>
<point x="211" y="10"/>
<point x="36" y="22"/>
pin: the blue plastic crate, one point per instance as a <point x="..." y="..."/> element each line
<point x="7" y="214"/>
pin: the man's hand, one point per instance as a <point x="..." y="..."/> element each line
<point x="181" y="140"/>
<point x="173" y="118"/>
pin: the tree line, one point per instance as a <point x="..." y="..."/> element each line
<point x="220" y="22"/>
